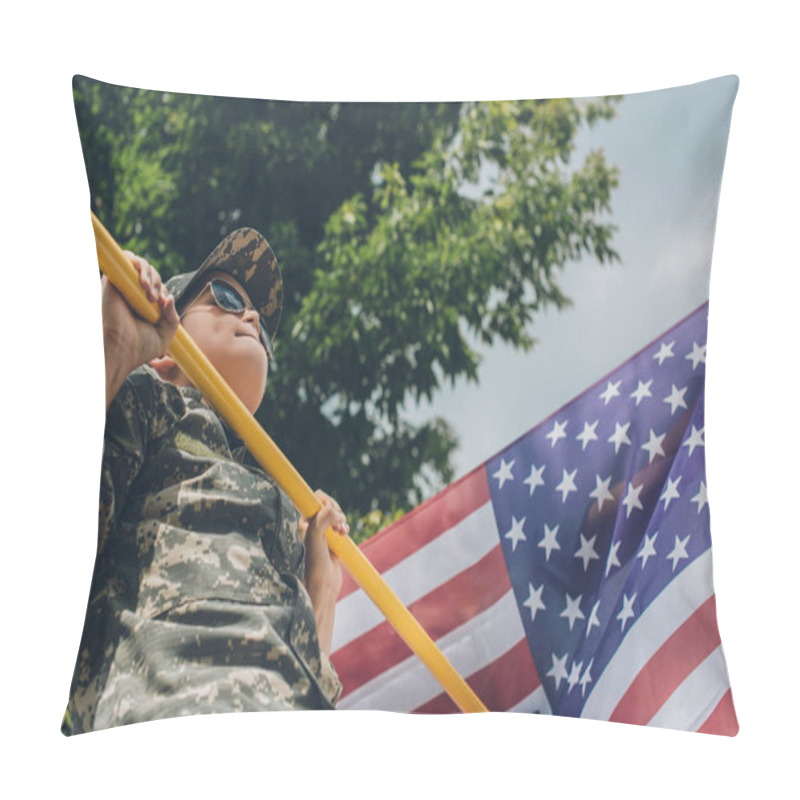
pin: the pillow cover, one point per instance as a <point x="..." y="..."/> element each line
<point x="421" y="246"/>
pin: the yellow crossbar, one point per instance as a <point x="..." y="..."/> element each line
<point x="201" y="372"/>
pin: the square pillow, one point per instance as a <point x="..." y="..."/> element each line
<point x="454" y="277"/>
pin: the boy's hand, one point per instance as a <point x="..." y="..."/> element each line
<point x="323" y="570"/>
<point x="130" y="341"/>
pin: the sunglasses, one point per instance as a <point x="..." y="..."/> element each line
<point x="228" y="298"/>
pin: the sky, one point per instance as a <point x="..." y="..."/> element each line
<point x="669" y="146"/>
<point x="53" y="381"/>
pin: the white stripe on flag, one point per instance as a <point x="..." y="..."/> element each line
<point x="703" y="689"/>
<point x="676" y="603"/>
<point x="457" y="549"/>
<point x="468" y="648"/>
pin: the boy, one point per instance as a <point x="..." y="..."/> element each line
<point x="210" y="593"/>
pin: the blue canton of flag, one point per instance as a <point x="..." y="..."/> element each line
<point x="604" y="522"/>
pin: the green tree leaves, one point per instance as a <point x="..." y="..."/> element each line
<point x="405" y="232"/>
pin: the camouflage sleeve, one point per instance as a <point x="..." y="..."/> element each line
<point x="318" y="662"/>
<point x="329" y="680"/>
<point x="140" y="413"/>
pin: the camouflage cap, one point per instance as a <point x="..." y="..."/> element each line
<point x="246" y="255"/>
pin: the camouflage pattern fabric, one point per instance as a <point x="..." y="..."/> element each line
<point x="197" y="603"/>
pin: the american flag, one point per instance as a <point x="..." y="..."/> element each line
<point x="571" y="573"/>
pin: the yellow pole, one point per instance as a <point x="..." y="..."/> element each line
<point x="202" y="373"/>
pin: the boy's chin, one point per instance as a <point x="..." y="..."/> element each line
<point x="249" y="388"/>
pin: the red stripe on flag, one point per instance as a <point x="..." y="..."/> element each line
<point x="500" y="685"/>
<point x="424" y="524"/>
<point x="444" y="609"/>
<point x="722" y="721"/>
<point x="674" y="661"/>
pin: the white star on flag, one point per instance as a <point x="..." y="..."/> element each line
<point x="701" y="498"/>
<point x="671" y="492"/>
<point x="567" y="484"/>
<point x="698" y="355"/>
<point x="549" y="542"/>
<point x="654" y="447"/>
<point x="588" y="434"/>
<point x="642" y="391"/>
<point x="627" y="609"/>
<point x="573" y="610"/>
<point x="504" y="473"/>
<point x="695" y="439"/>
<point x="613" y="559"/>
<point x="559" y="669"/>
<point x="601" y="492"/>
<point x="678" y="552"/>
<point x="612" y="390"/>
<point x="593" y="618"/>
<point x="648" y="548"/>
<point x="534" y="601"/>
<point x="631" y="500"/>
<point x="665" y="352"/>
<point x="586" y="551"/>
<point x="557" y="432"/>
<point x="620" y="436"/>
<point x="516" y="534"/>
<point x="574" y="675"/>
<point x="535" y="478"/>
<point x="675" y="398"/>
<point x="587" y="678"/>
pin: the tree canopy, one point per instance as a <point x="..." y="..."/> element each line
<point x="404" y="231"/>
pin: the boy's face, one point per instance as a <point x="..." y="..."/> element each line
<point x="230" y="341"/>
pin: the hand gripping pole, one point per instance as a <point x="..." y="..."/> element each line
<point x="122" y="274"/>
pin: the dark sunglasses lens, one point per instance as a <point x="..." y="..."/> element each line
<point x="227" y="297"/>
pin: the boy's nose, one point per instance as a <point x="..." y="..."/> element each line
<point x="250" y="315"/>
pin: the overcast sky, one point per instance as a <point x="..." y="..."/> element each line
<point x="669" y="146"/>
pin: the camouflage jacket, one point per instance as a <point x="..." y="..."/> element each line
<point x="197" y="603"/>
